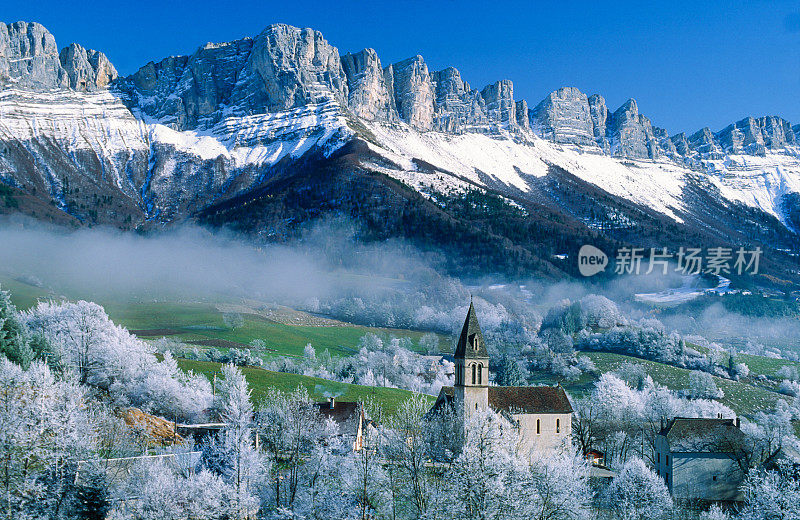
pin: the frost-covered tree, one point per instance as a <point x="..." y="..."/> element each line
<point x="429" y="343"/>
<point x="566" y="316"/>
<point x="14" y="342"/>
<point x="559" y="486"/>
<point x="601" y="312"/>
<point x="488" y="478"/>
<point x="233" y="320"/>
<point x="233" y="407"/>
<point x="624" y="421"/>
<point x="290" y="427"/>
<point x="702" y="386"/>
<point x="164" y="493"/>
<point x="509" y="372"/>
<point x="771" y="495"/>
<point x="104" y="355"/>
<point x="408" y="447"/>
<point x="637" y="493"/>
<point x="45" y="429"/>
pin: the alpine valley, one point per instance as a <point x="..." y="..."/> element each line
<point x="267" y="134"/>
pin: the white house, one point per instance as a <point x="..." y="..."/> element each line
<point x="698" y="458"/>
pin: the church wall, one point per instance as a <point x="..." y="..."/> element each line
<point x="548" y="437"/>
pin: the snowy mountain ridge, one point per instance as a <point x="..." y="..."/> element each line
<point x="191" y="132"/>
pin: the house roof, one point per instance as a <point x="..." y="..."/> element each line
<point x="341" y="411"/>
<point x="470" y="332"/>
<point x="703" y="435"/>
<point x="520" y="399"/>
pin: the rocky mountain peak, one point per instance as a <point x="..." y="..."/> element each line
<point x="286" y="67"/>
<point x="565" y="116"/>
<point x="29" y="56"/>
<point x="368" y="95"/>
<point x="413" y="92"/>
<point x="87" y="69"/>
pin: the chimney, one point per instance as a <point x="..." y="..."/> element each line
<point x="737" y="423"/>
<point x="331" y="401"/>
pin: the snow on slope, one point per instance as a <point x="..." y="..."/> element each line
<point x="260" y="139"/>
<point x="184" y="168"/>
<point x="509" y="161"/>
<point x="759" y="182"/>
<point x="100" y="121"/>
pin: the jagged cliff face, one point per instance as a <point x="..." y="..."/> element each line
<point x="191" y="132"/>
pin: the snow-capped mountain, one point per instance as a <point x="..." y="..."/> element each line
<point x="218" y="134"/>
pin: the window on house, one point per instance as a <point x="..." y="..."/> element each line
<point x="473" y="374"/>
<point x="658" y="458"/>
<point x="476" y="406"/>
<point x="714" y="478"/>
<point x="538" y="426"/>
<point x="480" y="374"/>
<point x="667" y="460"/>
<point x="558" y="425"/>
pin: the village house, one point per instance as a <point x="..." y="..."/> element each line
<point x="351" y="419"/>
<point x="543" y="414"/>
<point x="698" y="459"/>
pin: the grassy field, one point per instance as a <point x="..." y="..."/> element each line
<point x="199" y="321"/>
<point x="261" y="381"/>
<point x="763" y="365"/>
<point x="23" y="295"/>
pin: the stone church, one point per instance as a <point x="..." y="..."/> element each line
<point x="543" y="414"/>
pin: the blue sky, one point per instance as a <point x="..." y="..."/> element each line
<point x="688" y="64"/>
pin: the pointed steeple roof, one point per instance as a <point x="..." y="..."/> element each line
<point x="471" y="336"/>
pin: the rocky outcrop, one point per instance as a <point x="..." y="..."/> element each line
<point x="777" y="132"/>
<point x="632" y="133"/>
<point x="705" y="142"/>
<point x="565" y="117"/>
<point x="681" y="144"/>
<point x="413" y="92"/>
<point x="500" y="105"/>
<point x="282" y="68"/>
<point x="368" y="96"/>
<point x="29" y="57"/>
<point x="599" y="114"/>
<point x="290" y="67"/>
<point x="286" y="68"/>
<point x="86" y="69"/>
<point x="458" y="107"/>
<point x="742" y="136"/>
<point x="664" y="143"/>
<point x="523" y="118"/>
<point x="756" y="136"/>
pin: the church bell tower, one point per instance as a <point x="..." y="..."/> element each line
<point x="472" y="368"/>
